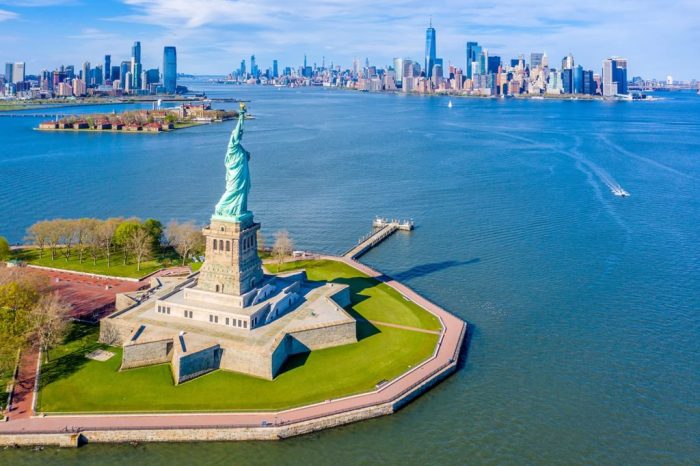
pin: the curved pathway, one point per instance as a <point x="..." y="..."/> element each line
<point x="444" y="359"/>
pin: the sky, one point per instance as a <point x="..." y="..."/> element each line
<point x="213" y="36"/>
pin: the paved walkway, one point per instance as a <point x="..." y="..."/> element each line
<point x="24" y="388"/>
<point x="402" y="327"/>
<point x="446" y="355"/>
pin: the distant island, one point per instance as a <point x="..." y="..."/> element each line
<point x="142" y="121"/>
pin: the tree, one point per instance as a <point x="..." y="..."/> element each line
<point x="106" y="236"/>
<point x="81" y="231"/>
<point x="92" y="238"/>
<point x="155" y="231"/>
<point x="67" y="231"/>
<point x="186" y="238"/>
<point x="37" y="235"/>
<point x="122" y="234"/>
<point x="282" y="247"/>
<point x="19" y="293"/>
<point x="53" y="236"/>
<point x="4" y="249"/>
<point x="139" y="242"/>
<point x="50" y="319"/>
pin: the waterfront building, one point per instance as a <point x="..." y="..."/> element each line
<point x="170" y="69"/>
<point x="8" y="72"/>
<point x="567" y="81"/>
<point x="614" y="76"/>
<point x="430" y="50"/>
<point x="108" y="68"/>
<point x="275" y="70"/>
<point x="588" y="83"/>
<point x="578" y="79"/>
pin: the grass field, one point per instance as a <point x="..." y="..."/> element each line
<point x="72" y="383"/>
<point x="371" y="299"/>
<point x="116" y="268"/>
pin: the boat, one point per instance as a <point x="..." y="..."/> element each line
<point x="619" y="192"/>
<point x="449" y="104"/>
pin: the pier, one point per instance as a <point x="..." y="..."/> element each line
<point x="382" y="228"/>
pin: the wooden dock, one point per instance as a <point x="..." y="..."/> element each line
<point x="382" y="228"/>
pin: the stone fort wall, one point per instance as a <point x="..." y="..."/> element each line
<point x="145" y="354"/>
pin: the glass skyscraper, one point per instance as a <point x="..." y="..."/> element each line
<point x="430" y="52"/>
<point x="473" y="52"/>
<point x="108" y="67"/>
<point x="170" y="69"/>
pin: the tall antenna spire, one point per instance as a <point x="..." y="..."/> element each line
<point x="431" y="21"/>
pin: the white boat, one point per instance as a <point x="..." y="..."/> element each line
<point x="618" y="191"/>
<point x="449" y="104"/>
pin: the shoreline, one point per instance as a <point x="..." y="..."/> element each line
<point x="73" y="430"/>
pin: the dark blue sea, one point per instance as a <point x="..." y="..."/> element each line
<point x="585" y="306"/>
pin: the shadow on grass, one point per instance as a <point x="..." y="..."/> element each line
<point x="83" y="339"/>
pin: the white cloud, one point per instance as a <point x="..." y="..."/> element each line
<point x="7" y="15"/>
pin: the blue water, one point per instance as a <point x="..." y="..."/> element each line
<point x="585" y="306"/>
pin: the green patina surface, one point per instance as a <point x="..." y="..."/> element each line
<point x="72" y="383"/>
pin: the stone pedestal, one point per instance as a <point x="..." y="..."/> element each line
<point x="231" y="266"/>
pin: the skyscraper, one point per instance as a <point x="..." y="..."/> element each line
<point x="170" y="69"/>
<point x="398" y="70"/>
<point x="275" y="70"/>
<point x="614" y="76"/>
<point x="430" y="52"/>
<point x="136" y="51"/>
<point x="86" y="73"/>
<point x="123" y="71"/>
<point x="253" y="67"/>
<point x="578" y="80"/>
<point x="18" y="73"/>
<point x="473" y="52"/>
<point x="242" y="69"/>
<point x="108" y="67"/>
<point x="8" y="72"/>
<point x="136" y="65"/>
<point x="536" y="59"/>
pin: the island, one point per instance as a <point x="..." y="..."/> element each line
<point x="239" y="349"/>
<point x="142" y="121"/>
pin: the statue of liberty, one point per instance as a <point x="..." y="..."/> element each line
<point x="233" y="205"/>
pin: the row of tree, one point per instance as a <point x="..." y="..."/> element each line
<point x="91" y="238"/>
<point x="29" y="312"/>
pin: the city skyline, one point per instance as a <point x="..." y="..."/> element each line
<point x="203" y="32"/>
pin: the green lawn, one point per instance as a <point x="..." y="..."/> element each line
<point x="386" y="304"/>
<point x="116" y="268"/>
<point x="72" y="383"/>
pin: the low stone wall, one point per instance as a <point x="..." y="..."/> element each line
<point x="115" y="332"/>
<point x="189" y="366"/>
<point x="28" y="440"/>
<point x="247" y="362"/>
<point x="315" y="339"/>
<point x="145" y="354"/>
